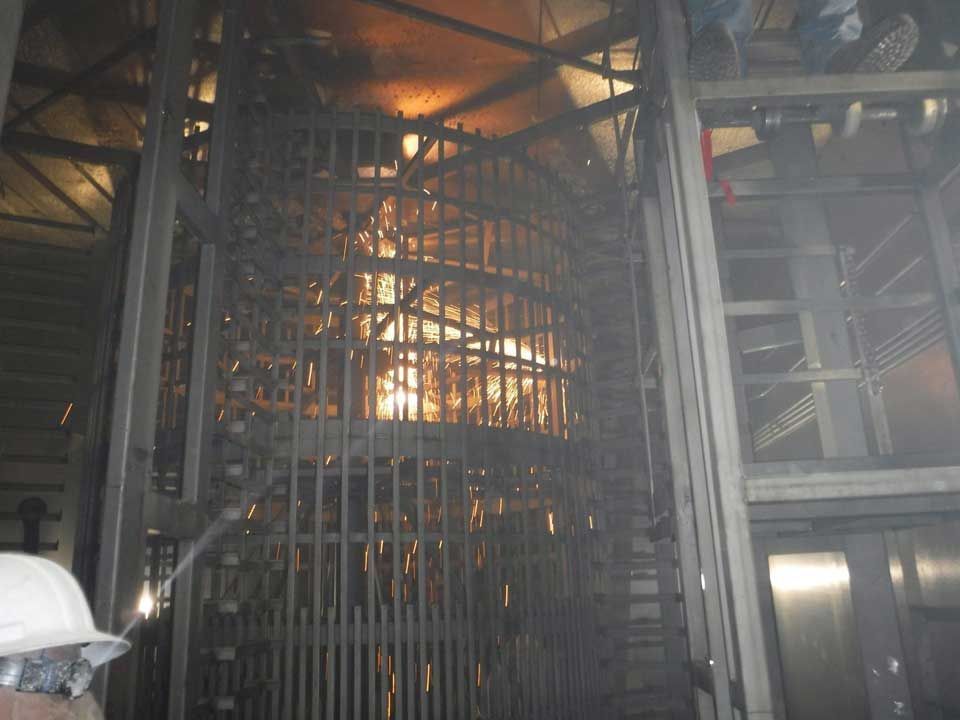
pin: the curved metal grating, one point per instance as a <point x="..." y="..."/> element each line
<point x="403" y="420"/>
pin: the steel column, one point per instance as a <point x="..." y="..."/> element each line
<point x="695" y="546"/>
<point x="717" y="403"/>
<point x="197" y="465"/>
<point x="871" y="589"/>
<point x="132" y="433"/>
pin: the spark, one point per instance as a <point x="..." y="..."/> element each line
<point x="66" y="414"/>
<point x="145" y="606"/>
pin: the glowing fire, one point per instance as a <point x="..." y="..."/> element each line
<point x="398" y="387"/>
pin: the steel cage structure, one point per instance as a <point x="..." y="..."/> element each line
<point x="403" y="425"/>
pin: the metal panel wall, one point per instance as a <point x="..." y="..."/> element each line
<point x="403" y="418"/>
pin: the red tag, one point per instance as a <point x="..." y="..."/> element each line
<point x="706" y="149"/>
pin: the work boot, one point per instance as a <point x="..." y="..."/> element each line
<point x="714" y="54"/>
<point x="883" y="48"/>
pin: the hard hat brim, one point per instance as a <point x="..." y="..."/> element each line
<point x="97" y="647"/>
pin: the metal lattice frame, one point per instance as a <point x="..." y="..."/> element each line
<point x="431" y="562"/>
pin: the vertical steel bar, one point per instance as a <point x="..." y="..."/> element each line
<point x="694" y="548"/>
<point x="384" y="701"/>
<point x="331" y="692"/>
<point x="372" y="348"/>
<point x="399" y="251"/>
<point x="301" y="634"/>
<point x="441" y="206"/>
<point x="411" y="680"/>
<point x="711" y="561"/>
<point x="465" y="422"/>
<point x="357" y="643"/>
<point x="347" y="406"/>
<point x="421" y="566"/>
<point x="436" y="704"/>
<point x="197" y="460"/>
<point x="320" y="475"/>
<point x="293" y="489"/>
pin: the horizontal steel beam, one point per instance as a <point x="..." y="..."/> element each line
<point x="804" y="89"/>
<point x="759" y="188"/>
<point x="44" y="222"/>
<point x="581" y="117"/>
<point x="880" y="509"/>
<point x="592" y="38"/>
<point x="792" y="487"/>
<point x="778" y="253"/>
<point x="772" y="336"/>
<point x="798" y="376"/>
<point x="746" y="308"/>
<point x="35" y="144"/>
<point x="515" y="43"/>
<point x="51" y="79"/>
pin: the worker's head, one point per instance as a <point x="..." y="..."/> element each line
<point x="48" y="642"/>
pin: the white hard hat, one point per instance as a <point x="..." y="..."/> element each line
<point x="42" y="606"/>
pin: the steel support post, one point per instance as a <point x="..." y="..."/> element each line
<point x="129" y="464"/>
<point x="884" y="669"/>
<point x="717" y="406"/>
<point x="11" y="16"/>
<point x="826" y="341"/>
<point x="695" y="547"/>
<point x="906" y="591"/>
<point x="188" y="605"/>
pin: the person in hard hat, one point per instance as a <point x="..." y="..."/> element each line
<point x="49" y="646"/>
<point x="832" y="38"/>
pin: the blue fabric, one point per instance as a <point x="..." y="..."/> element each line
<point x="824" y="25"/>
